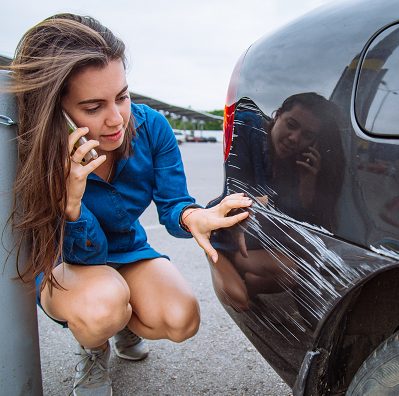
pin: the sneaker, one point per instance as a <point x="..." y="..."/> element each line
<point x="92" y="373"/>
<point x="130" y="346"/>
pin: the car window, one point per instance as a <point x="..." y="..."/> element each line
<point x="377" y="92"/>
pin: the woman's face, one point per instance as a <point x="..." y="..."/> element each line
<point x="294" y="131"/>
<point x="98" y="98"/>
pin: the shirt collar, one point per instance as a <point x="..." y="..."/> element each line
<point x="138" y="114"/>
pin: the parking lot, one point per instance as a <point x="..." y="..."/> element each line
<point x="217" y="361"/>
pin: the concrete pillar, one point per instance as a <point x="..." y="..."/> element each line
<point x="20" y="372"/>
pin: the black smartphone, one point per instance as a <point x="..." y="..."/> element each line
<point x="92" y="154"/>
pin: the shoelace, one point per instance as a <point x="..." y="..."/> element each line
<point x="94" y="373"/>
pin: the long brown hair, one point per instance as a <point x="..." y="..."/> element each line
<point x="46" y="57"/>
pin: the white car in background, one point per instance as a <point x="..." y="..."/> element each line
<point x="180" y="137"/>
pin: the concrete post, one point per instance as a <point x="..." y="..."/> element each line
<point x="20" y="372"/>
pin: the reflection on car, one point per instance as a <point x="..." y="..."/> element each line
<point x="311" y="134"/>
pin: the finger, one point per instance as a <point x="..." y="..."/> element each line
<point x="203" y="241"/>
<point x="311" y="158"/>
<point x="312" y="168"/>
<point x="234" y="203"/>
<point x="75" y="136"/>
<point x="231" y="220"/>
<point x="305" y="165"/>
<point x="233" y="196"/>
<point x="93" y="165"/>
<point x="314" y="151"/>
<point x="82" y="150"/>
<point x="263" y="200"/>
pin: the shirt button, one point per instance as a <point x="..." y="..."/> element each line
<point x="80" y="229"/>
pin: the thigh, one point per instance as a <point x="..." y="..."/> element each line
<point x="156" y="289"/>
<point x="264" y="263"/>
<point x="228" y="284"/>
<point x="80" y="286"/>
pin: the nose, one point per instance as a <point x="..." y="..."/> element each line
<point x="114" y="117"/>
<point x="295" y="136"/>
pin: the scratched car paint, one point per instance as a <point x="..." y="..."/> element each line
<point x="312" y="136"/>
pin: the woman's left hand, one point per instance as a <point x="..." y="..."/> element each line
<point x="201" y="222"/>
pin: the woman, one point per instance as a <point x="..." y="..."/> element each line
<point x="95" y="271"/>
<point x="296" y="157"/>
<point x="293" y="163"/>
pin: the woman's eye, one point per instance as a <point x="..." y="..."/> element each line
<point x="92" y="110"/>
<point x="124" y="97"/>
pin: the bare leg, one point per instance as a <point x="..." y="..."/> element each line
<point x="228" y="284"/>
<point x="266" y="271"/>
<point x="95" y="302"/>
<point x="162" y="301"/>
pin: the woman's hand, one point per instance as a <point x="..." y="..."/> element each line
<point x="308" y="172"/>
<point x="201" y="222"/>
<point x="77" y="177"/>
<point x="237" y="232"/>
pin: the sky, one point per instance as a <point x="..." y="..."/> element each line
<point x="179" y="51"/>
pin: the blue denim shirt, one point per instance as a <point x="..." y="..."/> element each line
<point x="108" y="229"/>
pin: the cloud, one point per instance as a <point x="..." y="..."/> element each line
<point x="180" y="51"/>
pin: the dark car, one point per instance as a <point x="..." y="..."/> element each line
<point x="311" y="134"/>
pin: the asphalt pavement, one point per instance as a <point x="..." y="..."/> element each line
<point x="219" y="360"/>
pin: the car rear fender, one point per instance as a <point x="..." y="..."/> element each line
<point x="364" y="318"/>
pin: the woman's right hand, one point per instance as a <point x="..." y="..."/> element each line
<point x="77" y="177"/>
<point x="239" y="230"/>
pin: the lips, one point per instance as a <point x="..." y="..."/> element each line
<point x="114" y="136"/>
<point x="287" y="149"/>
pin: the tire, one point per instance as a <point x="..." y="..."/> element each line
<point x="379" y="374"/>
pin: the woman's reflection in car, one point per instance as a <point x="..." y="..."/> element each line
<point x="290" y="164"/>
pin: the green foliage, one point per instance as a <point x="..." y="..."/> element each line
<point x="217" y="112"/>
<point x="189" y="125"/>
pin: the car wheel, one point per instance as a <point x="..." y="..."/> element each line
<point x="379" y="374"/>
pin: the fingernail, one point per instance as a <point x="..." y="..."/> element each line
<point x="214" y="259"/>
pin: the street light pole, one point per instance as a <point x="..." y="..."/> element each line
<point x="20" y="372"/>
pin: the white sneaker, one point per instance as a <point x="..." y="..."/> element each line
<point x="92" y="373"/>
<point x="130" y="346"/>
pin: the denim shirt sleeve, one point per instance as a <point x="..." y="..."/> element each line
<point x="170" y="188"/>
<point x="84" y="240"/>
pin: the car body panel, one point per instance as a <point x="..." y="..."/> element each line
<point x="297" y="273"/>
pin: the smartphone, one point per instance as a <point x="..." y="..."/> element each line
<point x="92" y="154"/>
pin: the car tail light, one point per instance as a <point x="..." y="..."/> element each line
<point x="228" y="121"/>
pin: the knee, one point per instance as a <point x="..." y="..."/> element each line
<point x="182" y="319"/>
<point x="104" y="309"/>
